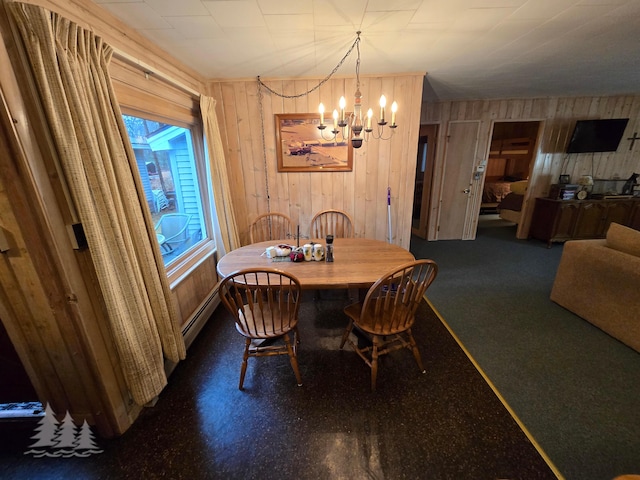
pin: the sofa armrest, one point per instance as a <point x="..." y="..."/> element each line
<point x="601" y="285"/>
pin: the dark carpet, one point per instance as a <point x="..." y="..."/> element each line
<point x="445" y="424"/>
<point x="574" y="387"/>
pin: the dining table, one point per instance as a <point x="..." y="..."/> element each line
<point x="358" y="262"/>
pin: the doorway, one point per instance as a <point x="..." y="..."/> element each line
<point x="423" y="179"/>
<point x="509" y="166"/>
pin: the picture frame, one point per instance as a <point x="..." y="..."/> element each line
<point x="564" y="179"/>
<point x="302" y="147"/>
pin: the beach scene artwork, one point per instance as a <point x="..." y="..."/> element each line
<point x="302" y="146"/>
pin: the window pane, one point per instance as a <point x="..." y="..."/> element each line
<point x="167" y="168"/>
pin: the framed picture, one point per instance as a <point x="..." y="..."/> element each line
<point x="564" y="179"/>
<point x="301" y="146"/>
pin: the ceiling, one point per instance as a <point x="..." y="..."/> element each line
<point x="469" y="49"/>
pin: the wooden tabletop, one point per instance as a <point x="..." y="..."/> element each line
<point x="358" y="263"/>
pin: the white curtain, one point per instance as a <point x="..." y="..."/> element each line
<point x="227" y="228"/>
<point x="70" y="70"/>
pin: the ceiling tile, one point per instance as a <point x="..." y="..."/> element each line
<point x="137" y="15"/>
<point x="168" y="8"/>
<point x="280" y="7"/>
<point x="196" y="27"/>
<point x="236" y="13"/>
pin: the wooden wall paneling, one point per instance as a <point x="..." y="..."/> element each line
<point x="192" y="289"/>
<point x="406" y="90"/>
<point x="262" y="154"/>
<point x="331" y="182"/>
<point x="225" y="108"/>
<point x="334" y="184"/>
<point x="252" y="167"/>
<point x="362" y="191"/>
<point x="383" y="179"/>
<point x="314" y="187"/>
<point x="292" y="198"/>
<point x="234" y="160"/>
<point x="258" y="116"/>
<point x="280" y="183"/>
<point x="48" y="312"/>
<point x="344" y="187"/>
<point x="373" y="167"/>
<point x="359" y="177"/>
<point x="401" y="188"/>
<point x="356" y="191"/>
<point x="328" y="94"/>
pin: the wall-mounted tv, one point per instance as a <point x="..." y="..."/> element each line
<point x="597" y="135"/>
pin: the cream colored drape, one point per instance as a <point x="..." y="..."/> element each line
<point x="228" y="230"/>
<point x="70" y="71"/>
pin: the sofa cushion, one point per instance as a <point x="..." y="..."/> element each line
<point x="623" y="239"/>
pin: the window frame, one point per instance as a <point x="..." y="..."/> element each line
<point x="165" y="99"/>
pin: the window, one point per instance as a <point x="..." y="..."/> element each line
<point x="171" y="181"/>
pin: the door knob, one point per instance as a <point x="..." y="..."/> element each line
<point x="466" y="190"/>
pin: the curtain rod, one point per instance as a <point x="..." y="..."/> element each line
<point x="147" y="69"/>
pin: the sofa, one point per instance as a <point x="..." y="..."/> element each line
<point x="599" y="280"/>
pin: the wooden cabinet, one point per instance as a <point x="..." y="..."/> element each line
<point x="561" y="220"/>
<point x="634" y="220"/>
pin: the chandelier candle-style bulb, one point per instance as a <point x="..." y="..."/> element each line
<point x="342" y="103"/>
<point x="394" y="109"/>
<point x="369" y="116"/>
<point x="335" y="121"/>
<point x="383" y="103"/>
<point x="321" y="110"/>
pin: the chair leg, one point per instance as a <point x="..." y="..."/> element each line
<point x="416" y="352"/>
<point x="293" y="359"/>
<point x="245" y="357"/>
<point x="346" y="333"/>
<point x="374" y="363"/>
<point x="296" y="340"/>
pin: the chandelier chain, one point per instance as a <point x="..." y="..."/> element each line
<point x="355" y="44"/>
<point x="264" y="148"/>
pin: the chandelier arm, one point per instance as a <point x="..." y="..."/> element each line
<point x="325" y="79"/>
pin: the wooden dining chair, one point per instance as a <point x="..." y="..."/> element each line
<point x="386" y="315"/>
<point x="334" y="222"/>
<point x="270" y="226"/>
<point x="264" y="303"/>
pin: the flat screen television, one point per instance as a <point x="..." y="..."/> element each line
<point x="597" y="135"/>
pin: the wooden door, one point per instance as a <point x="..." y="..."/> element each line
<point x="424" y="177"/>
<point x="462" y="141"/>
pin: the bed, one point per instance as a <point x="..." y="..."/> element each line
<point x="495" y="191"/>
<point x="510" y="207"/>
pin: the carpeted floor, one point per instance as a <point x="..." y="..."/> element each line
<point x="574" y="387"/>
<point x="445" y="424"/>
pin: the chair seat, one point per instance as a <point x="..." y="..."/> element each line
<point x="395" y="322"/>
<point x="268" y="325"/>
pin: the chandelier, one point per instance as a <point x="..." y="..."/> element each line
<point x="352" y="126"/>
